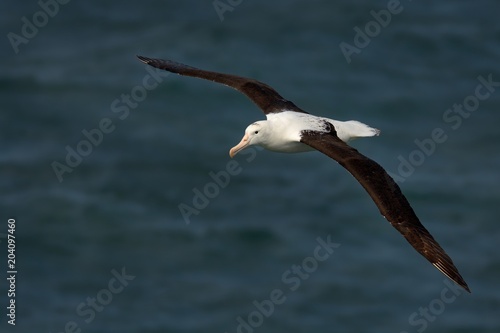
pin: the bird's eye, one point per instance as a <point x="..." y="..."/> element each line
<point x="256" y="132"/>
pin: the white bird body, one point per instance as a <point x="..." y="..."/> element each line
<point x="281" y="132"/>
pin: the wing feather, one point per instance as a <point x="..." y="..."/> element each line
<point x="260" y="93"/>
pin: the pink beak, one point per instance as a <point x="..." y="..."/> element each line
<point x="240" y="146"/>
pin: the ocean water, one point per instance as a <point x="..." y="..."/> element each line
<point x="103" y="176"/>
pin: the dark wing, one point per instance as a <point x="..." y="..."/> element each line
<point x="260" y="93"/>
<point x="387" y="196"/>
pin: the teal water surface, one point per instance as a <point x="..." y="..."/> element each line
<point x="131" y="217"/>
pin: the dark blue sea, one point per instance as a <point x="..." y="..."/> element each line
<point x="128" y="215"/>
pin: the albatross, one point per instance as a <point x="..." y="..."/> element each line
<point x="290" y="129"/>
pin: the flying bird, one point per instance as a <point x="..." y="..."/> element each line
<point x="290" y="129"/>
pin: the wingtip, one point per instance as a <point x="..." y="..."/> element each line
<point x="145" y="60"/>
<point x="462" y="284"/>
<point x="465" y="286"/>
<point x="453" y="275"/>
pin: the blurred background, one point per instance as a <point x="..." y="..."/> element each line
<point x="102" y="243"/>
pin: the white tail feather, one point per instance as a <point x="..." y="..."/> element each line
<point x="352" y="129"/>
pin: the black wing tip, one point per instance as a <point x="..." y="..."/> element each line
<point x="460" y="281"/>
<point x="167" y="65"/>
<point x="145" y="60"/>
<point x="452" y="273"/>
<point x="462" y="284"/>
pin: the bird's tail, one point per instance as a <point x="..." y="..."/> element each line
<point x="352" y="129"/>
<point x="358" y="129"/>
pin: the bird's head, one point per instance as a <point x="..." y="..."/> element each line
<point x="255" y="134"/>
